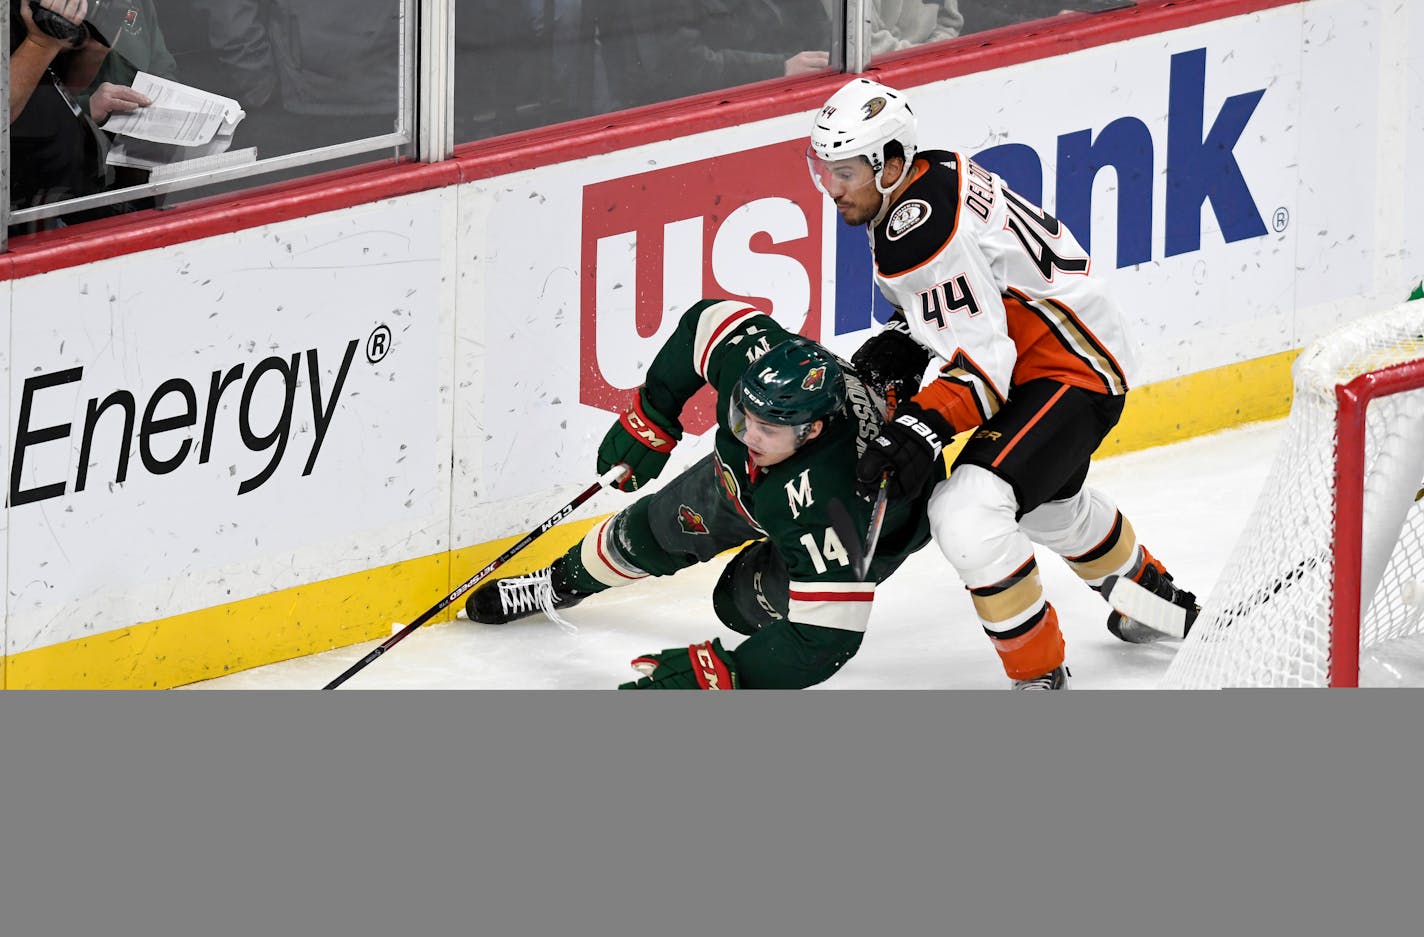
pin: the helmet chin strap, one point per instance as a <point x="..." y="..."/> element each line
<point x="884" y="196"/>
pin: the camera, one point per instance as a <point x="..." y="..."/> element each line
<point x="52" y="24"/>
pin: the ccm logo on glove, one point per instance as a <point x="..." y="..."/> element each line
<point x="644" y="430"/>
<point x="712" y="672"/>
<point x="705" y="666"/>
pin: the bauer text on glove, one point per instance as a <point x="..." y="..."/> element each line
<point x="908" y="448"/>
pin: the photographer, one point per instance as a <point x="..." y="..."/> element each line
<point x="56" y="149"/>
<point x="127" y="38"/>
<point x="53" y="154"/>
<point x="124" y="39"/>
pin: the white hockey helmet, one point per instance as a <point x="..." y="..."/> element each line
<point x="859" y="120"/>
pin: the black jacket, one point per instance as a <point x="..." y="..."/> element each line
<point x="54" y="154"/>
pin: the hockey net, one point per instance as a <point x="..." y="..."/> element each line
<point x="1330" y="563"/>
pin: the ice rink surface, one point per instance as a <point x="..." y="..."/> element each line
<point x="1187" y="502"/>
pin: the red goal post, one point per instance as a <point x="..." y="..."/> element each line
<point x="1332" y="558"/>
<point x="1346" y="614"/>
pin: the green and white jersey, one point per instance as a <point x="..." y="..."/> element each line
<point x="714" y="344"/>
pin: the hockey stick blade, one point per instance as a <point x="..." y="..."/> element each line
<point x="614" y="474"/>
<point x="1142" y="605"/>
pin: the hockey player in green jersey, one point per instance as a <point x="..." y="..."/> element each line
<point x="792" y="420"/>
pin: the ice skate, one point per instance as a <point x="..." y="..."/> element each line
<point x="1149" y="607"/>
<point x="1055" y="679"/>
<point x="515" y="597"/>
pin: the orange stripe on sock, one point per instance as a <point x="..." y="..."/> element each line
<point x="1035" y="652"/>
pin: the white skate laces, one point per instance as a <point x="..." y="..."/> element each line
<point x="533" y="592"/>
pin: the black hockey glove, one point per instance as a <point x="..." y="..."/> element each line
<point x="642" y="439"/>
<point x="891" y="362"/>
<point x="705" y="666"/>
<point x="908" y="447"/>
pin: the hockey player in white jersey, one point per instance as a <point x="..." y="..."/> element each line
<point x="1034" y="360"/>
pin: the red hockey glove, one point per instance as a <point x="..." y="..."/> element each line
<point x="642" y="439"/>
<point x="705" y="666"/>
<point x="908" y="447"/>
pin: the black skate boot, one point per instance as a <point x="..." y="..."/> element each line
<point x="1153" y="612"/>
<point x="515" y="597"/>
<point x="1055" y="679"/>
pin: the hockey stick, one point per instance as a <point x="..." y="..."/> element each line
<point x="1132" y="600"/>
<point x="1145" y="606"/>
<point x="861" y="552"/>
<point x="877" y="520"/>
<point x="608" y="477"/>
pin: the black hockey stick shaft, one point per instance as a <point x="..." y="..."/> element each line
<point x="877" y="521"/>
<point x="861" y="551"/>
<point x="612" y="475"/>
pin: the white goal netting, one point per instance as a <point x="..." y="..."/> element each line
<point x="1268" y="620"/>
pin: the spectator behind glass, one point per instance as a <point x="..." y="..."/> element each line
<point x="56" y="152"/>
<point x="980" y="15"/>
<point x="509" y="74"/>
<point x="131" y="43"/>
<point x="136" y="45"/>
<point x="528" y="63"/>
<point x="658" y="50"/>
<point x="901" y="24"/>
<point x="308" y="73"/>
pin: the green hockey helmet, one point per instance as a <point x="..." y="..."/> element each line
<point x="794" y="384"/>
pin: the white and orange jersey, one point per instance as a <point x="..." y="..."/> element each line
<point x="997" y="288"/>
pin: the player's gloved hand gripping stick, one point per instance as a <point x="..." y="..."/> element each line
<point x="642" y="439"/>
<point x="906" y="449"/>
<point x="609" y="477"/>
